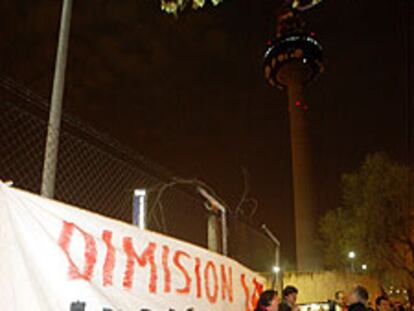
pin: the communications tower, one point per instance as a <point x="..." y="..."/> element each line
<point x="293" y="60"/>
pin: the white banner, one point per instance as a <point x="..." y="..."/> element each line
<point x="57" y="257"/>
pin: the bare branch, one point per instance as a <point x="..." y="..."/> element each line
<point x="246" y="190"/>
<point x="162" y="216"/>
<point x="157" y="208"/>
<point x="255" y="204"/>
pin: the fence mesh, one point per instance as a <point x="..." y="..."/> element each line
<point x="97" y="173"/>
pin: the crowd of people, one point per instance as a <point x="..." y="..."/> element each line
<point x="357" y="300"/>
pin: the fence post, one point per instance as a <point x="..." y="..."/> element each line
<point x="213" y="232"/>
<point x="213" y="229"/>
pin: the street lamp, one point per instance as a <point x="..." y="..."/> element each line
<point x="364" y="267"/>
<point x="276" y="269"/>
<point x="276" y="277"/>
<point x="351" y="256"/>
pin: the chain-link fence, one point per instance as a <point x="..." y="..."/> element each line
<point x="97" y="173"/>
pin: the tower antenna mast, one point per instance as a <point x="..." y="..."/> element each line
<point x="293" y="59"/>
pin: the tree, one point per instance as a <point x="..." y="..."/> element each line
<point x="375" y="219"/>
<point x="176" y="6"/>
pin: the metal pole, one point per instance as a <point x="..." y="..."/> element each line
<point x="213" y="232"/>
<point x="279" y="275"/>
<point x="222" y="210"/>
<point x="224" y="231"/>
<point x="53" y="129"/>
<point x="277" y="253"/>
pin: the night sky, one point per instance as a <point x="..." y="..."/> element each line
<point x="189" y="93"/>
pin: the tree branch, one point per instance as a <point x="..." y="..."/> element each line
<point x="246" y="189"/>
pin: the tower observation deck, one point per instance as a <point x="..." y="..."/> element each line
<point x="293" y="59"/>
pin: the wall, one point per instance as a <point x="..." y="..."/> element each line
<point x="321" y="286"/>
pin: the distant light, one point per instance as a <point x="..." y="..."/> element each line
<point x="276" y="269"/>
<point x="306" y="108"/>
<point x="364" y="267"/>
<point x="351" y="255"/>
<point x="269" y="42"/>
<point x="305" y="60"/>
<point x="312" y="34"/>
<point x="297" y="104"/>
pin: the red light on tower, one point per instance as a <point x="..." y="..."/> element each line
<point x="297" y="104"/>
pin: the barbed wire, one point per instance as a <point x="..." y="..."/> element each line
<point x="98" y="173"/>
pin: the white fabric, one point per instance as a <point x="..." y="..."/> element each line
<point x="57" y="257"/>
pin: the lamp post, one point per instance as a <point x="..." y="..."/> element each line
<point x="276" y="273"/>
<point x="276" y="268"/>
<point x="351" y="256"/>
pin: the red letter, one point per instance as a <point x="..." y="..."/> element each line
<point x="109" y="264"/>
<point x="186" y="289"/>
<point x="146" y="256"/>
<point x="167" y="272"/>
<point x="198" y="277"/>
<point x="90" y="251"/>
<point x="246" y="292"/>
<point x="226" y="283"/>
<point x="258" y="289"/>
<point x="211" y="297"/>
